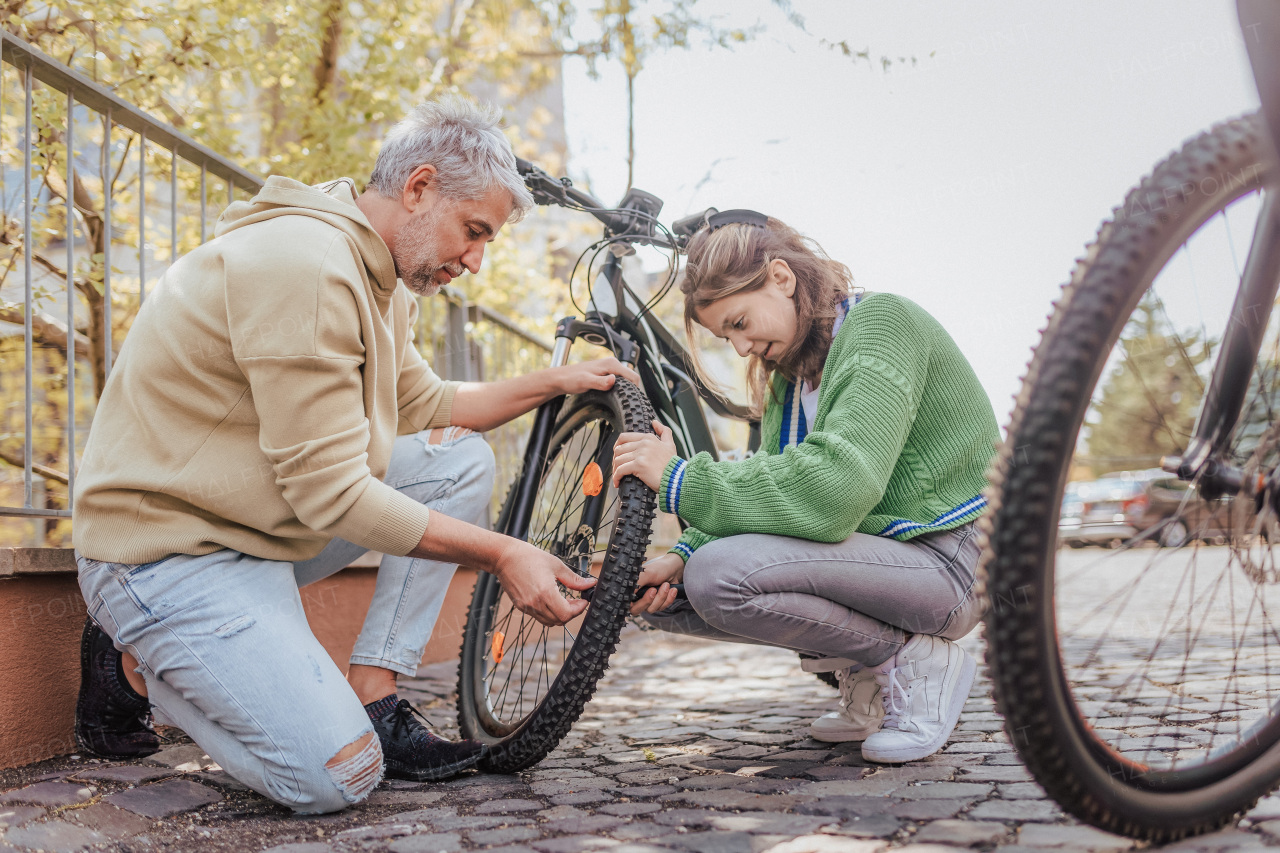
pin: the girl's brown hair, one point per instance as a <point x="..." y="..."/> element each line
<point x="735" y="259"/>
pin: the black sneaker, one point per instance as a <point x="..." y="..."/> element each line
<point x="112" y="720"/>
<point x="411" y="752"/>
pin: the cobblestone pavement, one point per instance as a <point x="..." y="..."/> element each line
<point x="687" y="746"/>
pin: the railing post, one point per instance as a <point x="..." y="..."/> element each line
<point x="108" y="344"/>
<point x="173" y="207"/>
<point x="204" y="199"/>
<point x="142" y="217"/>
<point x="70" y="239"/>
<point x="27" y="212"/>
<point x="457" y="348"/>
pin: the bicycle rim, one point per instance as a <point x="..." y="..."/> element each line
<point x="1138" y="670"/>
<point x="522" y="684"/>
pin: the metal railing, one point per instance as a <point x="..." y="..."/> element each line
<point x="91" y="182"/>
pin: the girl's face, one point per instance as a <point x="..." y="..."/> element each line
<point x="760" y="322"/>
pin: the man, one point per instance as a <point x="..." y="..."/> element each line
<point x="268" y="420"/>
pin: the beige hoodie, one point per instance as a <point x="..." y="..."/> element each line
<point x="256" y="399"/>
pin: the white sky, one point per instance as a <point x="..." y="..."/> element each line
<point x="968" y="183"/>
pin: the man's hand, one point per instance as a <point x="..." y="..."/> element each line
<point x="484" y="406"/>
<point x="599" y="375"/>
<point x="529" y="576"/>
<point x="658" y="574"/>
<point x="643" y="455"/>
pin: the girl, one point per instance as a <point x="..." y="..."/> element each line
<point x="849" y="537"/>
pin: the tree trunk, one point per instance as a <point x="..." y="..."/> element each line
<point x="326" y="71"/>
<point x="631" y="128"/>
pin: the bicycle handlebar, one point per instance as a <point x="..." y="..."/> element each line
<point x="549" y="190"/>
<point x="633" y="220"/>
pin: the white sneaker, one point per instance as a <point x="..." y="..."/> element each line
<point x="860" y="707"/>
<point x="923" y="688"/>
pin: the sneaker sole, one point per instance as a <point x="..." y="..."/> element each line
<point x="968" y="670"/>
<point x="81" y="742"/>
<point x="84" y="671"/>
<point x="841" y="736"/>
<point x="396" y="770"/>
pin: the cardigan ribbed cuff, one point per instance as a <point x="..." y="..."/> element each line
<point x="669" y="488"/>
<point x="683" y="550"/>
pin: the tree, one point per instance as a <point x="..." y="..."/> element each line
<point x="305" y="90"/>
<point x="1150" y="399"/>
<point x="280" y="87"/>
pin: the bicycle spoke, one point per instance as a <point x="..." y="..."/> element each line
<point x="530" y="664"/>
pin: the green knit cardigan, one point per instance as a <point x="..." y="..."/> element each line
<point x="899" y="447"/>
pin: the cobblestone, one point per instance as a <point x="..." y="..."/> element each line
<point x="11" y="816"/>
<point x="687" y="746"/>
<point x="962" y="833"/>
<point x="56" y="836"/>
<point x="430" y="843"/>
<point x="1027" y="810"/>
<point x="110" y="821"/>
<point x="165" y="798"/>
<point x="50" y="794"/>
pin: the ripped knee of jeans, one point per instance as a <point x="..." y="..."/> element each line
<point x="447" y="435"/>
<point x="357" y="776"/>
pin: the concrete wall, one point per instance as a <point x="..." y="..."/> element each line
<point x="42" y="615"/>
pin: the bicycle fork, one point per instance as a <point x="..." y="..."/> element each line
<point x="535" y="454"/>
<point x="1205" y="461"/>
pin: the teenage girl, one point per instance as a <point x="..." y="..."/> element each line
<point x="849" y="537"/>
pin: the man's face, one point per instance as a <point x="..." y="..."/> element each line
<point x="446" y="238"/>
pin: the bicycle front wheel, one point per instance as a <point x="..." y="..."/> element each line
<point x="1138" y="680"/>
<point x="521" y="685"/>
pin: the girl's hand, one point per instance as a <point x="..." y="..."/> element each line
<point x="599" y="374"/>
<point x="658" y="574"/>
<point x="643" y="455"/>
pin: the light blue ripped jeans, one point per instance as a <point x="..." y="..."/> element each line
<point x="224" y="645"/>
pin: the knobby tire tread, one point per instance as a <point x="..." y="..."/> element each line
<point x="1025" y="486"/>
<point x="598" y="636"/>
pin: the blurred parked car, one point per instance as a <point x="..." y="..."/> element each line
<point x="1152" y="505"/>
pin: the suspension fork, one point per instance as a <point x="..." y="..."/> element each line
<point x="535" y="453"/>
<point x="1205" y="460"/>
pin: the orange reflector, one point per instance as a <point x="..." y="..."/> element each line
<point x="498" y="637"/>
<point x="592" y="480"/>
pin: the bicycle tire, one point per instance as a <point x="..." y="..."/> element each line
<point x="515" y="744"/>
<point x="1066" y="755"/>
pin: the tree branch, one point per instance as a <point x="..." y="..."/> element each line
<point x="44" y="329"/>
<point x="15" y="459"/>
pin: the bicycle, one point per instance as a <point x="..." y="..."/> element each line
<point x="1139" y="684"/>
<point x="521" y="685"/>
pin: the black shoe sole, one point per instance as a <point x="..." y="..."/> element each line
<point x="86" y="668"/>
<point x="396" y="770"/>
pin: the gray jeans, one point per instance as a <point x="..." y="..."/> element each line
<point x="860" y="599"/>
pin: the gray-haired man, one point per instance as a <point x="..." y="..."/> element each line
<point x="268" y="420"/>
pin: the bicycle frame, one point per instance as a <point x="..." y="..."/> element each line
<point x="1204" y="462"/>
<point x="619" y="322"/>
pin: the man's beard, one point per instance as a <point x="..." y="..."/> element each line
<point x="417" y="256"/>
